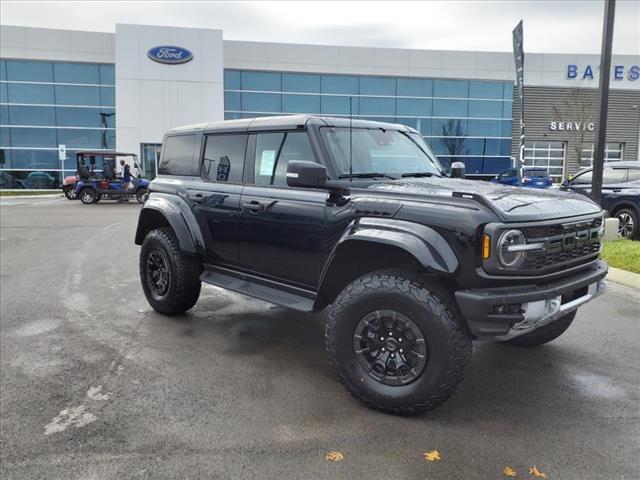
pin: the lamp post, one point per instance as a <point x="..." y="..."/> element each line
<point x="637" y="108"/>
<point x="603" y="101"/>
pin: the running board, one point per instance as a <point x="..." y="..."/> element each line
<point x="251" y="286"/>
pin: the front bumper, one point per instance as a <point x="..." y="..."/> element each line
<point x="507" y="312"/>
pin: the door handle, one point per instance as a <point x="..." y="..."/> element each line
<point x="617" y="190"/>
<point x="197" y="198"/>
<point x="253" y="206"/>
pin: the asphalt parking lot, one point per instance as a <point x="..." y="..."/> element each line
<point x="94" y="385"/>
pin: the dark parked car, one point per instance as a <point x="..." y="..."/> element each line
<point x="534" y="177"/>
<point x="620" y="193"/>
<point x="314" y="212"/>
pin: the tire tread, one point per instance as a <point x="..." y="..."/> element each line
<point x="185" y="270"/>
<point x="424" y="291"/>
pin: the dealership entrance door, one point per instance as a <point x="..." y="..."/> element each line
<point x="150" y="157"/>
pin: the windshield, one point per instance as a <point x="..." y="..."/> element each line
<point x="536" y="172"/>
<point x="389" y="152"/>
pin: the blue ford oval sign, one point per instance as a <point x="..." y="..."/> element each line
<point x="169" y="54"/>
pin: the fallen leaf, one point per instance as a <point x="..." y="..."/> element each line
<point x="432" y="456"/>
<point x="537" y="473"/>
<point x="334" y="456"/>
<point x="509" y="472"/>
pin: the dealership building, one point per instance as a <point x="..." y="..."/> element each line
<point x="62" y="91"/>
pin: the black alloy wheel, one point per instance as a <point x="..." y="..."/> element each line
<point x="390" y="347"/>
<point x="158" y="273"/>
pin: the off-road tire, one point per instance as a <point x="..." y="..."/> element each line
<point x="432" y="310"/>
<point x="633" y="217"/>
<point x="184" y="274"/>
<point x="544" y="334"/>
<point x="87" y="195"/>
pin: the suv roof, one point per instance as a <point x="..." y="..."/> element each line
<point x="110" y="153"/>
<point x="287" y="122"/>
<point x="625" y="164"/>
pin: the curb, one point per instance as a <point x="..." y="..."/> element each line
<point x="623" y="277"/>
<point x="17" y="197"/>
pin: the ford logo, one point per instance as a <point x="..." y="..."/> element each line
<point x="169" y="54"/>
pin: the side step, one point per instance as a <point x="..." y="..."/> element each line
<point x="259" y="288"/>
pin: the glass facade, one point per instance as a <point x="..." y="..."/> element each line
<point x="614" y="152"/>
<point x="463" y="120"/>
<point x="47" y="104"/>
<point x="550" y="155"/>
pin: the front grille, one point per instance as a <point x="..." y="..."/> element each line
<point x="565" y="243"/>
<point x="537" y="261"/>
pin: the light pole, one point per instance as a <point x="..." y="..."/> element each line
<point x="637" y="108"/>
<point x="603" y="101"/>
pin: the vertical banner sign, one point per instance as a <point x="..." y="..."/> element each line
<point x="518" y="55"/>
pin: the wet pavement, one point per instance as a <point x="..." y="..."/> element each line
<point x="94" y="385"/>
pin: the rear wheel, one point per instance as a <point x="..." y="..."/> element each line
<point x="141" y="195"/>
<point x="628" y="226"/>
<point x="88" y="195"/>
<point x="397" y="342"/>
<point x="170" y="279"/>
<point x="545" y="334"/>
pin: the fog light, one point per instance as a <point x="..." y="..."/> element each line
<point x="508" y="308"/>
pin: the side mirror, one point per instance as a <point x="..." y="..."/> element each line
<point x="566" y="182"/>
<point x="457" y="170"/>
<point x="302" y="173"/>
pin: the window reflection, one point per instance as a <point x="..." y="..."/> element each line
<point x="452" y="114"/>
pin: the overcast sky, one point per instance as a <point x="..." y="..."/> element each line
<point x="573" y="26"/>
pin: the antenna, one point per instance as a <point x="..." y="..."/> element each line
<point x="351" y="139"/>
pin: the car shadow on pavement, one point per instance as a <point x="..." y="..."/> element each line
<point x="502" y="382"/>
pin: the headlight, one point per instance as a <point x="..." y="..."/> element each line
<point x="509" y="256"/>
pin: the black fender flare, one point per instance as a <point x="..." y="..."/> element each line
<point x="178" y="215"/>
<point x="424" y="243"/>
<point x="428" y="247"/>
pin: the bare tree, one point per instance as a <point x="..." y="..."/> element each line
<point x="454" y="138"/>
<point x="578" y="107"/>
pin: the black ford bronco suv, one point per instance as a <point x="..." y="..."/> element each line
<point x="310" y="212"/>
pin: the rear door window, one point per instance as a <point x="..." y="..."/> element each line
<point x="634" y="175"/>
<point x="178" y="155"/>
<point x="614" y="175"/>
<point x="223" y="159"/>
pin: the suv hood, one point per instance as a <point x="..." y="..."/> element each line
<point x="512" y="204"/>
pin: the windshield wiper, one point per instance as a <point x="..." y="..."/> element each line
<point x="420" y="174"/>
<point x="366" y="175"/>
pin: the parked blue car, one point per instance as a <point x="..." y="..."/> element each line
<point x="620" y="193"/>
<point x="534" y="177"/>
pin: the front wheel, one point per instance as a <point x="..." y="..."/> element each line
<point x="170" y="279"/>
<point x="628" y="226"/>
<point x="141" y="195"/>
<point x="88" y="196"/>
<point x="397" y="342"/>
<point x="545" y="334"/>
<point x="68" y="192"/>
